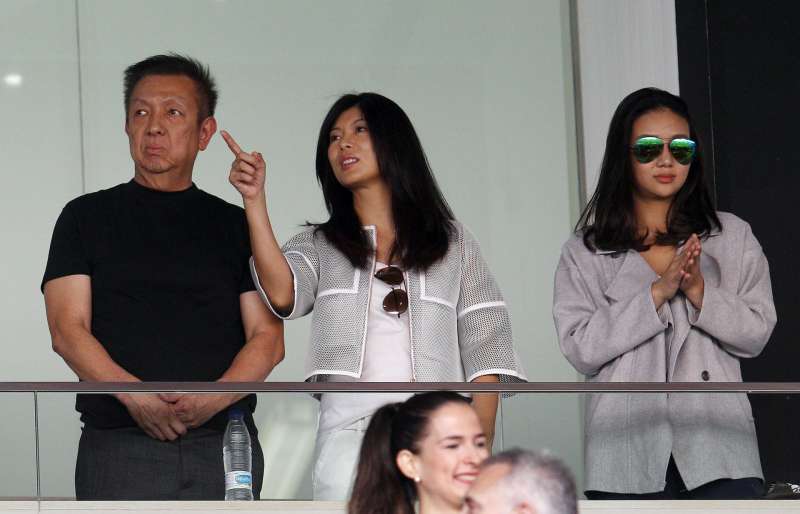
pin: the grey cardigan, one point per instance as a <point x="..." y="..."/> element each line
<point x="609" y="330"/>
<point x="459" y="324"/>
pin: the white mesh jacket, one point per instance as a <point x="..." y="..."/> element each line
<point x="460" y="328"/>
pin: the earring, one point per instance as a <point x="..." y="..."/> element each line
<point x="417" y="480"/>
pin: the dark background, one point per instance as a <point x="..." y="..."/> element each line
<point x="739" y="70"/>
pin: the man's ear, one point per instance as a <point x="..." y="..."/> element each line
<point x="408" y="463"/>
<point x="207" y="129"/>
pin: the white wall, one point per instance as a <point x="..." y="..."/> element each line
<point x="623" y="45"/>
<point x="488" y="86"/>
<point x="40" y="163"/>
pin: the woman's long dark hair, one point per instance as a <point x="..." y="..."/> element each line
<point x="380" y="487"/>
<point x="608" y="221"/>
<point x="421" y="215"/>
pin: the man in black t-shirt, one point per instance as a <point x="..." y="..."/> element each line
<point x="149" y="281"/>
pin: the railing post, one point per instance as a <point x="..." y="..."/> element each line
<point x="36" y="435"/>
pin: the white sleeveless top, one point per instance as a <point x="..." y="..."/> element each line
<point x="387" y="358"/>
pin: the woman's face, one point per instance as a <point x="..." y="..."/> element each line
<point x="350" y="151"/>
<point x="449" y="455"/>
<point x="663" y="177"/>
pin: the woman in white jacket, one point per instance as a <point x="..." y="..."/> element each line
<point x="398" y="288"/>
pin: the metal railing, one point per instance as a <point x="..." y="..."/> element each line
<point x="380" y="387"/>
<point x="392" y="387"/>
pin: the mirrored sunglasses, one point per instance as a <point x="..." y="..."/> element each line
<point x="648" y="148"/>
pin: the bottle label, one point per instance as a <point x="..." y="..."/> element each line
<point x="238" y="480"/>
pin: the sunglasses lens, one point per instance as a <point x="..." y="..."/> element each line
<point x="682" y="150"/>
<point x="396" y="302"/>
<point x="645" y="149"/>
<point x="392" y="275"/>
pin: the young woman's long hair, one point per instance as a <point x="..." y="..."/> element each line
<point x="422" y="218"/>
<point x="380" y="487"/>
<point x="608" y="222"/>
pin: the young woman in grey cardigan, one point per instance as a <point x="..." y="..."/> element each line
<point x="655" y="286"/>
<point x="398" y="288"/>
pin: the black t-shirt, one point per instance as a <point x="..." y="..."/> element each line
<point x="167" y="269"/>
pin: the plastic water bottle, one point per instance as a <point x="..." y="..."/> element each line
<point x="237" y="458"/>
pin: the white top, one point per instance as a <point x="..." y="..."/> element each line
<point x="387" y="358"/>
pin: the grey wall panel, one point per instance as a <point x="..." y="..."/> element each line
<point x="40" y="165"/>
<point x="623" y="45"/>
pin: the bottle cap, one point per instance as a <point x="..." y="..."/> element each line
<point x="235" y="413"/>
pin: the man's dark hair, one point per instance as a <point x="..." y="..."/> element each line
<point x="175" y="64"/>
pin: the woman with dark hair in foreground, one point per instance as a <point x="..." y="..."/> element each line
<point x="426" y="450"/>
<point x="656" y="286"/>
<point x="399" y="289"/>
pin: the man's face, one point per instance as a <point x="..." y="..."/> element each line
<point x="163" y="125"/>
<point x="486" y="495"/>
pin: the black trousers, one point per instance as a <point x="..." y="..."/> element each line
<point x="675" y="489"/>
<point x="127" y="464"/>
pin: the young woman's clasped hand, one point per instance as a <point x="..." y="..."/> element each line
<point x="683" y="274"/>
